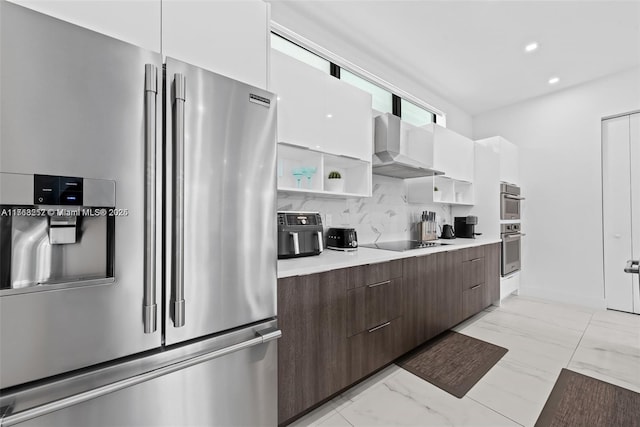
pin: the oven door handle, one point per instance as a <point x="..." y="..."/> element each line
<point x="509" y="196"/>
<point x="513" y="236"/>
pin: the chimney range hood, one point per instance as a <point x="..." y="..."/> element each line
<point x="390" y="157"/>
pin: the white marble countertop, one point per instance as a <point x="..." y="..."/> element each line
<point x="331" y="260"/>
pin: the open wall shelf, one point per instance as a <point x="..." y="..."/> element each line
<point x="293" y="161"/>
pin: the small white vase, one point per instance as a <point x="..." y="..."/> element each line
<point x="335" y="185"/>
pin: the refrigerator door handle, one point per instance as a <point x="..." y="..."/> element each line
<point x="179" y="92"/>
<point x="149" y="298"/>
<point x="262" y="337"/>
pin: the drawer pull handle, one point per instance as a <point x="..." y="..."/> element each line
<point x="476" y="286"/>
<point x="476" y="259"/>
<point x="380" y="283"/>
<point x="384" y="325"/>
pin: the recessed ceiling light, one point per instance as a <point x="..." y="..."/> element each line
<point x="531" y="47"/>
<point x="329" y="115"/>
<point x="553" y="80"/>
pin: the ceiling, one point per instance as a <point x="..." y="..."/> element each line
<point x="472" y="52"/>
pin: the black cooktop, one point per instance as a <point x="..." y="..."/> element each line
<point x="402" y="245"/>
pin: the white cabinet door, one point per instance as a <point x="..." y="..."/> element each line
<point x="318" y="111"/>
<point x="509" y="162"/>
<point x="616" y="199"/>
<point x="301" y="109"/>
<point x="349" y="125"/>
<point x="134" y="21"/>
<point x="224" y="36"/>
<point x="453" y="153"/>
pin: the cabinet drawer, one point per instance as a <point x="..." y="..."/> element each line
<point x="374" y="348"/>
<point x="472" y="253"/>
<point x="374" y="304"/>
<point x="369" y="274"/>
<point x="473" y="272"/>
<point x="473" y="300"/>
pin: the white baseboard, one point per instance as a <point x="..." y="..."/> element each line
<point x="592" y="302"/>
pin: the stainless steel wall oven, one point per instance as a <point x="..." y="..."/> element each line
<point x="511" y="253"/>
<point x="510" y="201"/>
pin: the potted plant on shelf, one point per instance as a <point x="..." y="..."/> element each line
<point x="437" y="196"/>
<point x="334" y="182"/>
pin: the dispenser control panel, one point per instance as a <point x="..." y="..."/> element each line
<point x="57" y="190"/>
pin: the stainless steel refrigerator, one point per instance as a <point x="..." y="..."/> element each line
<point x="137" y="235"/>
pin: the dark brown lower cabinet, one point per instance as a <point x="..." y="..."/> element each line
<point x="342" y="325"/>
<point x="448" y="293"/>
<point x="421" y="300"/>
<point x="473" y="300"/>
<point x="312" y="353"/>
<point x="374" y="304"/>
<point x="374" y="348"/>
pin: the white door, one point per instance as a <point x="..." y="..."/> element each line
<point x="634" y="140"/>
<point x="621" y="194"/>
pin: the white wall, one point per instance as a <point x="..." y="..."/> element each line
<point x="559" y="140"/>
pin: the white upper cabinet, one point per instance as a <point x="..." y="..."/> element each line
<point x="134" y="21"/>
<point x="301" y="117"/>
<point x="318" y="111"/>
<point x="224" y="36"/>
<point x="509" y="158"/>
<point x="509" y="162"/>
<point x="452" y="153"/>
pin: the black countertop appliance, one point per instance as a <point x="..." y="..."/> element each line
<point x="299" y="234"/>
<point x="447" y="232"/>
<point x="465" y="227"/>
<point x="342" y="239"/>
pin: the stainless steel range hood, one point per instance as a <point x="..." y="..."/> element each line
<point x="390" y="157"/>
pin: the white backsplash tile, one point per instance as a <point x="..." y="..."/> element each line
<point x="385" y="216"/>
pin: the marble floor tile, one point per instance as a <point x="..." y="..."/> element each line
<point x="335" y="420"/>
<point x="470" y="321"/>
<point x="318" y="417"/>
<point x="610" y="350"/>
<point x="515" y="390"/>
<point x="529" y="341"/>
<point x="617" y="320"/>
<point x="547" y="312"/>
<point x="359" y="390"/>
<point x="407" y="400"/>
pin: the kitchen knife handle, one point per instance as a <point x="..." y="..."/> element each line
<point x="149" y="297"/>
<point x="178" y="303"/>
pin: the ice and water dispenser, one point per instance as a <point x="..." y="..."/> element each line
<point x="55" y="232"/>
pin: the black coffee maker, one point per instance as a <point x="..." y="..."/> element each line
<point x="465" y="226"/>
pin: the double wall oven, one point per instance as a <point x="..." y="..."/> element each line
<point x="510" y="201"/>
<point x="510" y="210"/>
<point x="511" y="253"/>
